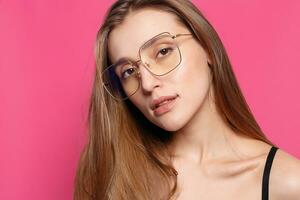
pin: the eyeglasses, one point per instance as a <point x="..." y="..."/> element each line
<point x="160" y="55"/>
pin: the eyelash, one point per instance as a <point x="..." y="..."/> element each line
<point x="168" y="48"/>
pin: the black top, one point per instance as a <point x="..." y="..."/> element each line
<point x="266" y="174"/>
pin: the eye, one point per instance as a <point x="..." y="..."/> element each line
<point x="128" y="72"/>
<point x="164" y="51"/>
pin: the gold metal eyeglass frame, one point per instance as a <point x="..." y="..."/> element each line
<point x="136" y="63"/>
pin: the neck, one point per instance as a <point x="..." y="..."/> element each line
<point x="204" y="138"/>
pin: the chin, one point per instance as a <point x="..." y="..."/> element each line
<point x="171" y="129"/>
<point x="171" y="124"/>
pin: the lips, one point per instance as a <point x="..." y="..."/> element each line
<point x="160" y="101"/>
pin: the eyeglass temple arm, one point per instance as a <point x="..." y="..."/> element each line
<point x="181" y="34"/>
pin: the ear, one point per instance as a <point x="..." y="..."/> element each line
<point x="209" y="64"/>
<point x="208" y="60"/>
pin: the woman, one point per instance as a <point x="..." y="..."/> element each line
<point x="167" y="118"/>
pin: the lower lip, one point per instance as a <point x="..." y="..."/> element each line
<point x="165" y="107"/>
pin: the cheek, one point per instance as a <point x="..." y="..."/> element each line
<point x="195" y="79"/>
<point x="193" y="84"/>
<point x="193" y="74"/>
<point x="140" y="105"/>
<point x="139" y="102"/>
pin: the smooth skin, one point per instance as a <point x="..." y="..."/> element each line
<point x="212" y="161"/>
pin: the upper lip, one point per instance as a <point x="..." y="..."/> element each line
<point x="157" y="101"/>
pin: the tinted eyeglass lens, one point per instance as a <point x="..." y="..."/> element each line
<point x="161" y="55"/>
<point x="120" y="80"/>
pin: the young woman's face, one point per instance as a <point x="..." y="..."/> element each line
<point x="189" y="83"/>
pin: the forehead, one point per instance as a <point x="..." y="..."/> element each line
<point x="138" y="27"/>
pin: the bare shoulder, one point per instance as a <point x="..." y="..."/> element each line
<point x="285" y="177"/>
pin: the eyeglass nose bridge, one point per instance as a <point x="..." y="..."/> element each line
<point x="147" y="66"/>
<point x="147" y="81"/>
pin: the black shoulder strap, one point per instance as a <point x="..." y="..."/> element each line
<point x="266" y="174"/>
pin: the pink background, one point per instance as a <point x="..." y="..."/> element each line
<point x="47" y="66"/>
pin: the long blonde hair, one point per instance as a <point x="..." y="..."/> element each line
<point x="126" y="156"/>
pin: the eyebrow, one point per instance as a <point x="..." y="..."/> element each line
<point x="133" y="60"/>
<point x="123" y="59"/>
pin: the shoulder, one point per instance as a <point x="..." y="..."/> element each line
<point x="284" y="180"/>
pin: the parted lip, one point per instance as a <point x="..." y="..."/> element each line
<point x="157" y="101"/>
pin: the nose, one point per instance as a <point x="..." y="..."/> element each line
<point x="148" y="81"/>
